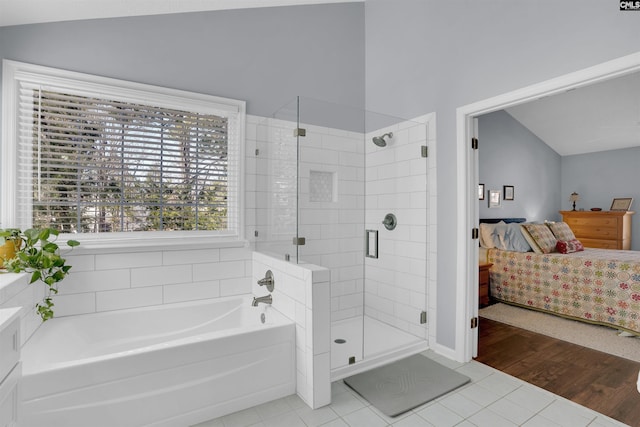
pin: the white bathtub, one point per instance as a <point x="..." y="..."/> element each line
<point x="172" y="365"/>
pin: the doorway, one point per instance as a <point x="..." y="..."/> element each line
<point x="467" y="255"/>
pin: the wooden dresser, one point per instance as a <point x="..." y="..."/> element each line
<point x="603" y="229"/>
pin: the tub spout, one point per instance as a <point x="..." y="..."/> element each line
<point x="265" y="300"/>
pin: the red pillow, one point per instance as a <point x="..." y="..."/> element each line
<point x="569" y="246"/>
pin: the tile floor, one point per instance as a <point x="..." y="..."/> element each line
<point x="491" y="399"/>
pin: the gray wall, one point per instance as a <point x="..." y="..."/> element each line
<point x="599" y="177"/>
<point x="265" y="56"/>
<point x="420" y="56"/>
<point x="511" y="155"/>
<point x="434" y="56"/>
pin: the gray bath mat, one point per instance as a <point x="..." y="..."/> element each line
<point x="405" y="384"/>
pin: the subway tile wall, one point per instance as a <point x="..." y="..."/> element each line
<point x="398" y="183"/>
<point x="301" y="292"/>
<point x="332" y="221"/>
<point x="334" y="228"/>
<point x="103" y="282"/>
<point x="333" y="181"/>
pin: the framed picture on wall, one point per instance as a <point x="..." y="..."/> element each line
<point x="508" y="192"/>
<point x="494" y="198"/>
<point x="621" y="204"/>
<point x="480" y="191"/>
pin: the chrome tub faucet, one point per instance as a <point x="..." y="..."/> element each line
<point x="265" y="300"/>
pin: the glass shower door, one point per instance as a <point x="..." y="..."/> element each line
<point x="276" y="186"/>
<point x="326" y="173"/>
<point x="331" y="215"/>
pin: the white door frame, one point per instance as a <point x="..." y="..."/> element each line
<point x="467" y="213"/>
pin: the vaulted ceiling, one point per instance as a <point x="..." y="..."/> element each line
<point x="600" y="117"/>
<point x="18" y="12"/>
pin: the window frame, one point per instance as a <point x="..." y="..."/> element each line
<point x="14" y="73"/>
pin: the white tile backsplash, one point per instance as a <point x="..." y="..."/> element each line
<point x="194" y="256"/>
<point x="73" y="304"/>
<point x="218" y="270"/>
<point x="128" y="298"/>
<point x="191" y="291"/>
<point x="89" y="281"/>
<point x="163" y="275"/>
<point x="128" y="260"/>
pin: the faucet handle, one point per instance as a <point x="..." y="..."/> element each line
<point x="267" y="281"/>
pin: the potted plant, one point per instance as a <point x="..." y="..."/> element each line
<point x="10" y="243"/>
<point x="38" y="254"/>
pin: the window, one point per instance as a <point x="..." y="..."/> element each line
<point x="91" y="155"/>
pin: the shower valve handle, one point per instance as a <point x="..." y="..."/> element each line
<point x="267" y="281"/>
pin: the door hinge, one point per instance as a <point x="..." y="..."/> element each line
<point x="299" y="132"/>
<point x="255" y="233"/>
<point x="424" y="151"/>
<point x="474" y="322"/>
<point x="257" y="152"/>
<point x="474" y="143"/>
<point x="299" y="241"/>
<point x="475" y="233"/>
<point x="423" y="317"/>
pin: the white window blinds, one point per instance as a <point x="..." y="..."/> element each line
<point x="95" y="163"/>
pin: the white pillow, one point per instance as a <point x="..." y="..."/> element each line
<point x="489" y="237"/>
<point x="507" y="237"/>
<point x="514" y="240"/>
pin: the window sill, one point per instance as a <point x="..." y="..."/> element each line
<point x="137" y="244"/>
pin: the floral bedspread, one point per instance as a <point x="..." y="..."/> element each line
<point x="596" y="285"/>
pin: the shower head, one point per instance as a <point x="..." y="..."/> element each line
<point x="379" y="140"/>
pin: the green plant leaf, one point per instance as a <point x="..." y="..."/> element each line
<point x="35" y="276"/>
<point x="50" y="247"/>
<point x="39" y="256"/>
<point x="44" y="234"/>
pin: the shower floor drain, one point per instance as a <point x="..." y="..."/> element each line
<point x="340" y="341"/>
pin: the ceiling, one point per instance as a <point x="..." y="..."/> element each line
<point x="603" y="116"/>
<point x="599" y="117"/>
<point x="19" y="12"/>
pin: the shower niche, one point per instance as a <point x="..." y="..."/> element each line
<point x="322" y="186"/>
<point x="329" y="174"/>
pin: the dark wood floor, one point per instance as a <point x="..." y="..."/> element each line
<point x="594" y="379"/>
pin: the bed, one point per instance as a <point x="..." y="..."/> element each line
<point x="599" y="286"/>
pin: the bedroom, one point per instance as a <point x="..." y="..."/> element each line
<point x="596" y="150"/>
<point x="597" y="160"/>
<point x="589" y="148"/>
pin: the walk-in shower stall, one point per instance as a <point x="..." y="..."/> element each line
<point x="347" y="189"/>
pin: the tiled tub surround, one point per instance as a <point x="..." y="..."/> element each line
<point x="115" y="281"/>
<point x="167" y="365"/>
<point x="302" y="293"/>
